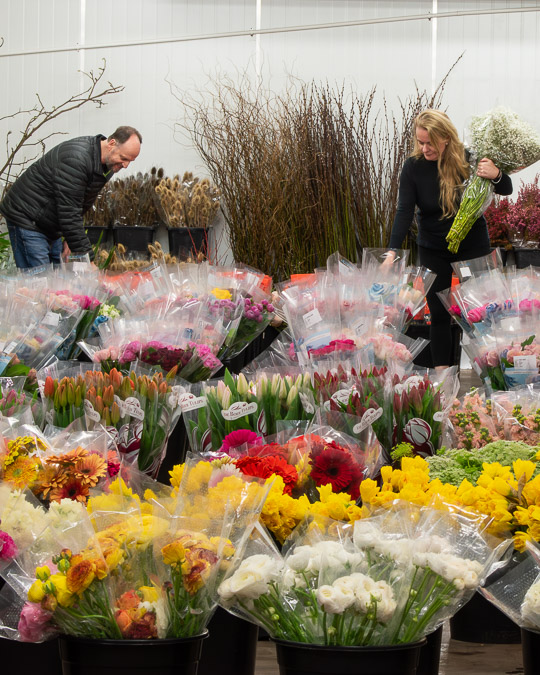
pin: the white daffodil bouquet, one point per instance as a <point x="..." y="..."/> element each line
<point x="388" y="579"/>
<point x="512" y="144"/>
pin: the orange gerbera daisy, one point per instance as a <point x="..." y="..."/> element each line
<point x="67" y="458"/>
<point x="53" y="477"/>
<point x="22" y="472"/>
<point x="73" y="489"/>
<point x="90" y="469"/>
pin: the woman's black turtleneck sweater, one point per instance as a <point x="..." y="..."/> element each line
<point x="419" y="189"/>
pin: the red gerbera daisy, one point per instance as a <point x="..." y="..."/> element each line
<point x="337" y="467"/>
<point x="264" y="467"/>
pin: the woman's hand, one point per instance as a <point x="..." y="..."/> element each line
<point x="486" y="169"/>
<point x="389" y="258"/>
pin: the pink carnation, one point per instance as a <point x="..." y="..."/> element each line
<point x="8" y="548"/>
<point x="238" y="438"/>
<point x="34" y="623"/>
<point x="455" y="309"/>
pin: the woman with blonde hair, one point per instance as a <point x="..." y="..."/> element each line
<point x="431" y="184"/>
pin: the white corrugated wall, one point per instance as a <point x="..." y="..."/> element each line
<point x="501" y="56"/>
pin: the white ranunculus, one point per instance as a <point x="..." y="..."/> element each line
<point x="333" y="600"/>
<point x="365" y="534"/>
<point x="300" y="557"/>
<point x="530" y="608"/>
<point x="462" y="572"/>
<point x="433" y="544"/>
<point x="248" y="584"/>
<point x="263" y="564"/>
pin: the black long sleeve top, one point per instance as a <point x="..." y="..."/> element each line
<point x="419" y="190"/>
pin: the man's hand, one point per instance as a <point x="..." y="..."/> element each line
<point x="65" y="251"/>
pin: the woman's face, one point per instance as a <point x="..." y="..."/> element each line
<point x="431" y="151"/>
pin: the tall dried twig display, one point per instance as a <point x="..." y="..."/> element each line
<point x="304" y="173"/>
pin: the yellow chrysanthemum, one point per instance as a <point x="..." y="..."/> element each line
<point x="221" y="293"/>
<point x="176" y="475"/>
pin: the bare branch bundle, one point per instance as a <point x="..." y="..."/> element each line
<point x="304" y="173"/>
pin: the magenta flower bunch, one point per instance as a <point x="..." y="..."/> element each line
<point x="333" y="346"/>
<point x="254" y="318"/>
<point x="8" y="548"/>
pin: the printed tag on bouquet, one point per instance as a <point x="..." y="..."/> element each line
<point x="90" y="412"/>
<point x="508" y="324"/>
<point x="360" y="327"/>
<point x="370" y="416"/>
<point x="189" y="402"/>
<point x="465" y="272"/>
<point x="8" y="349"/>
<point x="527" y="362"/>
<point x="145" y="290"/>
<point x="239" y="409"/>
<point x="133" y="407"/>
<point x="120" y="404"/>
<point x="51" y="319"/>
<point x="306" y="403"/>
<point x="438" y="416"/>
<point x="41" y="387"/>
<point x="312" y="318"/>
<point x="342" y="396"/>
<point x="174" y="397"/>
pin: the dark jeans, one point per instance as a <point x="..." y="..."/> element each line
<point x="32" y="249"/>
<point x="439" y="333"/>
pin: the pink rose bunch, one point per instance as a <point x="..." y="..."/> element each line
<point x="107" y="354"/>
<point x="34" y="623"/>
<point x="84" y="301"/>
<point x="476" y="314"/>
<point x="334" y="346"/>
<point x="527" y="305"/>
<point x="387" y="348"/>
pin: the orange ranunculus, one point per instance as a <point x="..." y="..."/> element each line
<point x="123" y="619"/>
<point x="128" y="600"/>
<point x="80" y="575"/>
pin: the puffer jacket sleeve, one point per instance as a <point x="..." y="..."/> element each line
<point x="72" y="176"/>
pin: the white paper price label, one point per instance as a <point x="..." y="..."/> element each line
<point x="306" y="403"/>
<point x="508" y="324"/>
<point x="360" y="327"/>
<point x="51" y="319"/>
<point x="312" y="318"/>
<point x="370" y="416"/>
<point x="342" y="396"/>
<point x="90" y="412"/>
<point x="133" y="408"/>
<point x="239" y="409"/>
<point x="10" y="347"/>
<point x="527" y="362"/>
<point x="189" y="402"/>
<point x="465" y="272"/>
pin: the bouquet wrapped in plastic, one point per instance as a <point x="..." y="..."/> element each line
<point x="512" y="144"/>
<point x="236" y="405"/>
<point x="388" y="579"/>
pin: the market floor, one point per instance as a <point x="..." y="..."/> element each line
<point x="457" y="658"/>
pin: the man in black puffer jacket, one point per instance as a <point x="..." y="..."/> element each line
<point x="47" y="201"/>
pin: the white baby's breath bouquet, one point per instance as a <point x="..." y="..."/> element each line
<point x="512" y="144"/>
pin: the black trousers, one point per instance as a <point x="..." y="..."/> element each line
<point x="440" y="262"/>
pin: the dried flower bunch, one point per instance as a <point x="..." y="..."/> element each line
<point x="131" y="199"/>
<point x="100" y="213"/>
<point x="118" y="262"/>
<point x="189" y="202"/>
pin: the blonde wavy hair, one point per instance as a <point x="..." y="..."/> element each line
<point x="452" y="166"/>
